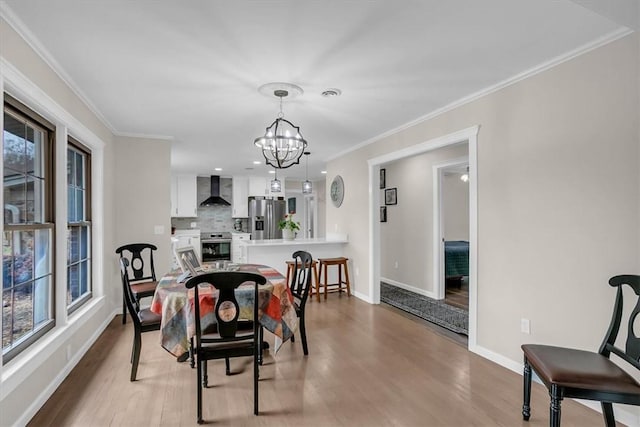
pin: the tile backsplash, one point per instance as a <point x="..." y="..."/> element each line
<point x="212" y="218"/>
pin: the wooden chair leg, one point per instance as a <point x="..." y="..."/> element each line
<point x="607" y="413"/>
<point x="137" y="343"/>
<point x="199" y="393"/>
<point x="317" y="282"/>
<point x="326" y="280"/>
<point x="526" y="408"/>
<point x="347" y="281"/>
<point x="554" y="409"/>
<point x="303" y="335"/>
<point x="256" y="373"/>
<point x="339" y="280"/>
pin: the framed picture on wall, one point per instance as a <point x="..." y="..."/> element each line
<point x="391" y="196"/>
<point x="383" y="178"/>
<point x="383" y="214"/>
<point x="291" y="205"/>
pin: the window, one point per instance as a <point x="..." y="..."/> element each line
<point x="27" y="241"/>
<point x="78" y="226"/>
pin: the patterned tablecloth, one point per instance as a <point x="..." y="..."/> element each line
<point x="175" y="303"/>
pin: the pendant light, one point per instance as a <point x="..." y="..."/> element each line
<point x="282" y="144"/>
<point x="276" y="185"/>
<point x="307" y="187"/>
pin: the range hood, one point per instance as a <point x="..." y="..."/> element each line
<point x="215" y="198"/>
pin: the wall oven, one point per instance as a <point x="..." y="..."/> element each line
<point x="215" y="247"/>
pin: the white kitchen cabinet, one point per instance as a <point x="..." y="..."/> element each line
<point x="240" y="193"/>
<point x="184" y="238"/>
<point x="238" y="249"/>
<point x="261" y="186"/>
<point x="184" y="196"/>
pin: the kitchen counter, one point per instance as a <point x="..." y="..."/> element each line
<point x="294" y="242"/>
<point x="276" y="252"/>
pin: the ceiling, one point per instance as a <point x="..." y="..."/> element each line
<point x="190" y="71"/>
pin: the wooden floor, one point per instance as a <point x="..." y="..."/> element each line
<point x="368" y="366"/>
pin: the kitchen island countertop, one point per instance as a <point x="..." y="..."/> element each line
<point x="294" y="242"/>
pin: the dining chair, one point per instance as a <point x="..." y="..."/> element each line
<point x="228" y="340"/>
<point x="300" y="285"/>
<point x="143" y="320"/>
<point x="143" y="282"/>
<point x="580" y="374"/>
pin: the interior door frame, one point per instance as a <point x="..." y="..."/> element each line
<point x="438" y="222"/>
<point x="469" y="135"/>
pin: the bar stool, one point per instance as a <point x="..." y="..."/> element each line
<point x="314" y="286"/>
<point x="341" y="262"/>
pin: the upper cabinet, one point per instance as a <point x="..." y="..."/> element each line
<point x="240" y="191"/>
<point x="184" y="200"/>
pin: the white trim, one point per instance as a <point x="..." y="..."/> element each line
<point x="16" y="23"/>
<point x="42" y="398"/>
<point x="606" y="39"/>
<point x="143" y="135"/>
<point x="469" y="135"/>
<point x="410" y="288"/>
<point x="438" y="231"/>
<point x="622" y="415"/>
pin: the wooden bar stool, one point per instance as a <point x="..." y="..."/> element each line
<point x="341" y="262"/>
<point x="314" y="286"/>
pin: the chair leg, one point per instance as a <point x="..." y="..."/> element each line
<point x="554" y="410"/>
<point x="192" y="359"/>
<point x="124" y="311"/>
<point x="227" y="366"/>
<point x="199" y="395"/>
<point x="260" y="347"/>
<point x="137" y="343"/>
<point x="526" y="409"/>
<point x="317" y="283"/>
<point x="205" y="375"/>
<point x="607" y="413"/>
<point x="256" y="373"/>
<point x="303" y="335"/>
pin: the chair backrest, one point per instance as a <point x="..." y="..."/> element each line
<point x="301" y="278"/>
<point x="631" y="353"/>
<point x="136" y="254"/>
<point x="227" y="309"/>
<point x="126" y="291"/>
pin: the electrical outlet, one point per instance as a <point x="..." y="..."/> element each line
<point x="194" y="225"/>
<point x="158" y="229"/>
<point x="525" y="326"/>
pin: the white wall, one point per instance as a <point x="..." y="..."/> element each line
<point x="407" y="236"/>
<point x="558" y="198"/>
<point x="30" y="378"/>
<point x="455" y="207"/>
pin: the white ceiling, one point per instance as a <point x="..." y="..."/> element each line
<point x="189" y="70"/>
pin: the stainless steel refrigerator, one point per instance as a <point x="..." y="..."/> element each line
<point x="264" y="215"/>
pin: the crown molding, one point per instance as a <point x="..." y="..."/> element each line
<point x="606" y="39"/>
<point x="23" y="31"/>
<point x="143" y="135"/>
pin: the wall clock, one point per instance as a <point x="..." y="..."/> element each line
<point x="337" y="191"/>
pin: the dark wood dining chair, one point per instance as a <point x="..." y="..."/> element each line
<point x="300" y="285"/>
<point x="143" y="280"/>
<point x="228" y="340"/>
<point x="143" y="320"/>
<point x="580" y="374"/>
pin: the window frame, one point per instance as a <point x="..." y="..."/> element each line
<point x="74" y="145"/>
<point x="19" y="111"/>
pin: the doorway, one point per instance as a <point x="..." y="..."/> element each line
<point x="451" y="231"/>
<point x="468" y="136"/>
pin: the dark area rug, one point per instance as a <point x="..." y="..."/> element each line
<point x="453" y="318"/>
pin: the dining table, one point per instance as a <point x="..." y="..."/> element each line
<point x="175" y="303"/>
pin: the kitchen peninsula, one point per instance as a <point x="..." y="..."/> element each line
<point x="275" y="252"/>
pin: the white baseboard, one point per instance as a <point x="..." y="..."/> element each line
<point x="53" y="386"/>
<point x="622" y="414"/>
<point x="410" y="288"/>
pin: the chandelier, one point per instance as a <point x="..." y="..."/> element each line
<point x="282" y="144"/>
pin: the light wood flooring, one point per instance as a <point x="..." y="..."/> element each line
<point x="368" y="366"/>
